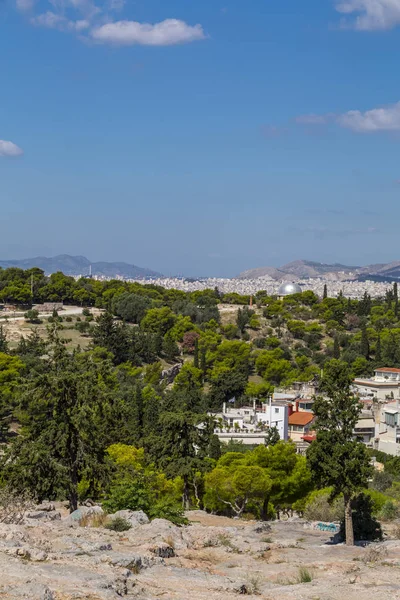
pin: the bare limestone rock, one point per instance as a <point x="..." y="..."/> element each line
<point x="84" y="511"/>
<point x="134" y="517"/>
<point x="46" y="506"/>
<point x="214" y="558"/>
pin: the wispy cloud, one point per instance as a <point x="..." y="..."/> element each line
<point x="312" y="119"/>
<point x="52" y="20"/>
<point x="9" y="149"/>
<point x="96" y="22"/>
<point x="383" y="119"/>
<point x="273" y="131"/>
<point x="370" y="15"/>
<point x="24" y="5"/>
<point x="129" y="33"/>
<point x="321" y="232"/>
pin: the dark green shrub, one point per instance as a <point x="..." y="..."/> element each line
<point x="366" y="527"/>
<point x="389" y="511"/>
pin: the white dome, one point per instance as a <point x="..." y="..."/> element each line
<point x="287" y="288"/>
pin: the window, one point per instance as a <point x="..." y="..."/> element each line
<point x="390" y="419"/>
<point x="277" y="411"/>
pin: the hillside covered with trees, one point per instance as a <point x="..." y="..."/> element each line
<point x="108" y="423"/>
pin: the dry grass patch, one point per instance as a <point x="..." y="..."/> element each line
<point x="94" y="520"/>
<point x="169" y="540"/>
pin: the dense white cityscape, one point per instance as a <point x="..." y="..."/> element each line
<point x="352" y="289"/>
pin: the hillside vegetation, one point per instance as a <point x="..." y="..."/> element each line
<point x="109" y="422"/>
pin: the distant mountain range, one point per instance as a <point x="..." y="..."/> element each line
<point x="80" y="265"/>
<point x="306" y="269"/>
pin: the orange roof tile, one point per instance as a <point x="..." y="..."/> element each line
<point x="301" y="418"/>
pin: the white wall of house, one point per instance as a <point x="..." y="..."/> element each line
<point x="275" y="415"/>
<point x="246" y="438"/>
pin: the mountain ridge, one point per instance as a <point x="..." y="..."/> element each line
<point x="80" y="265"/>
<point x="307" y="269"/>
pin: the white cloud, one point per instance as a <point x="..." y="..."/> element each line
<point x="386" y="118"/>
<point x="49" y="19"/>
<point x="377" y="119"/>
<point x="96" y="18"/>
<point x="165" y="33"/>
<point x="372" y="14"/>
<point x="24" y="5"/>
<point x="10" y="149"/>
<point x="52" y="20"/>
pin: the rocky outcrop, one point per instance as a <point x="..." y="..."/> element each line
<point x="134" y="517"/>
<point x="213" y="558"/>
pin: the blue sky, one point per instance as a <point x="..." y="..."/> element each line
<point x="200" y="138"/>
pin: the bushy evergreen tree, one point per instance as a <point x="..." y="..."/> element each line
<point x="335" y="458"/>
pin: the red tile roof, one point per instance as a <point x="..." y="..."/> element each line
<point x="301" y="418"/>
<point x="388" y="370"/>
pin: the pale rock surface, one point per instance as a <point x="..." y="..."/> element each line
<point x="214" y="558"/>
<point x="134" y="517"/>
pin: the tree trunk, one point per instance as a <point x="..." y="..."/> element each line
<point x="73" y="473"/>
<point x="264" y="511"/>
<point x="73" y="499"/>
<point x="348" y="521"/>
<point x="186" y="494"/>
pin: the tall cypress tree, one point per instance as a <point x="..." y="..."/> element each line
<point x="3" y="340"/>
<point x="378" y="351"/>
<point x="336" y="347"/>
<point x="364" y="345"/>
<point x="196" y="353"/>
<point x="203" y="360"/>
<point x="335" y="458"/>
<point x="325" y="294"/>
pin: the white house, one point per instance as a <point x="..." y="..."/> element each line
<point x="251" y="423"/>
<point x="275" y="414"/>
<point x="387" y="427"/>
<point x="384" y="385"/>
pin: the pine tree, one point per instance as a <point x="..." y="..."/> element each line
<point x="335" y="458"/>
<point x="112" y="336"/>
<point x="272" y="436"/>
<point x="184" y="459"/>
<point x="66" y="431"/>
<point x="325" y="294"/>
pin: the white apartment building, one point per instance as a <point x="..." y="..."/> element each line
<point x="251" y="423"/>
<point x="385" y="384"/>
<point x="387" y="427"/>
